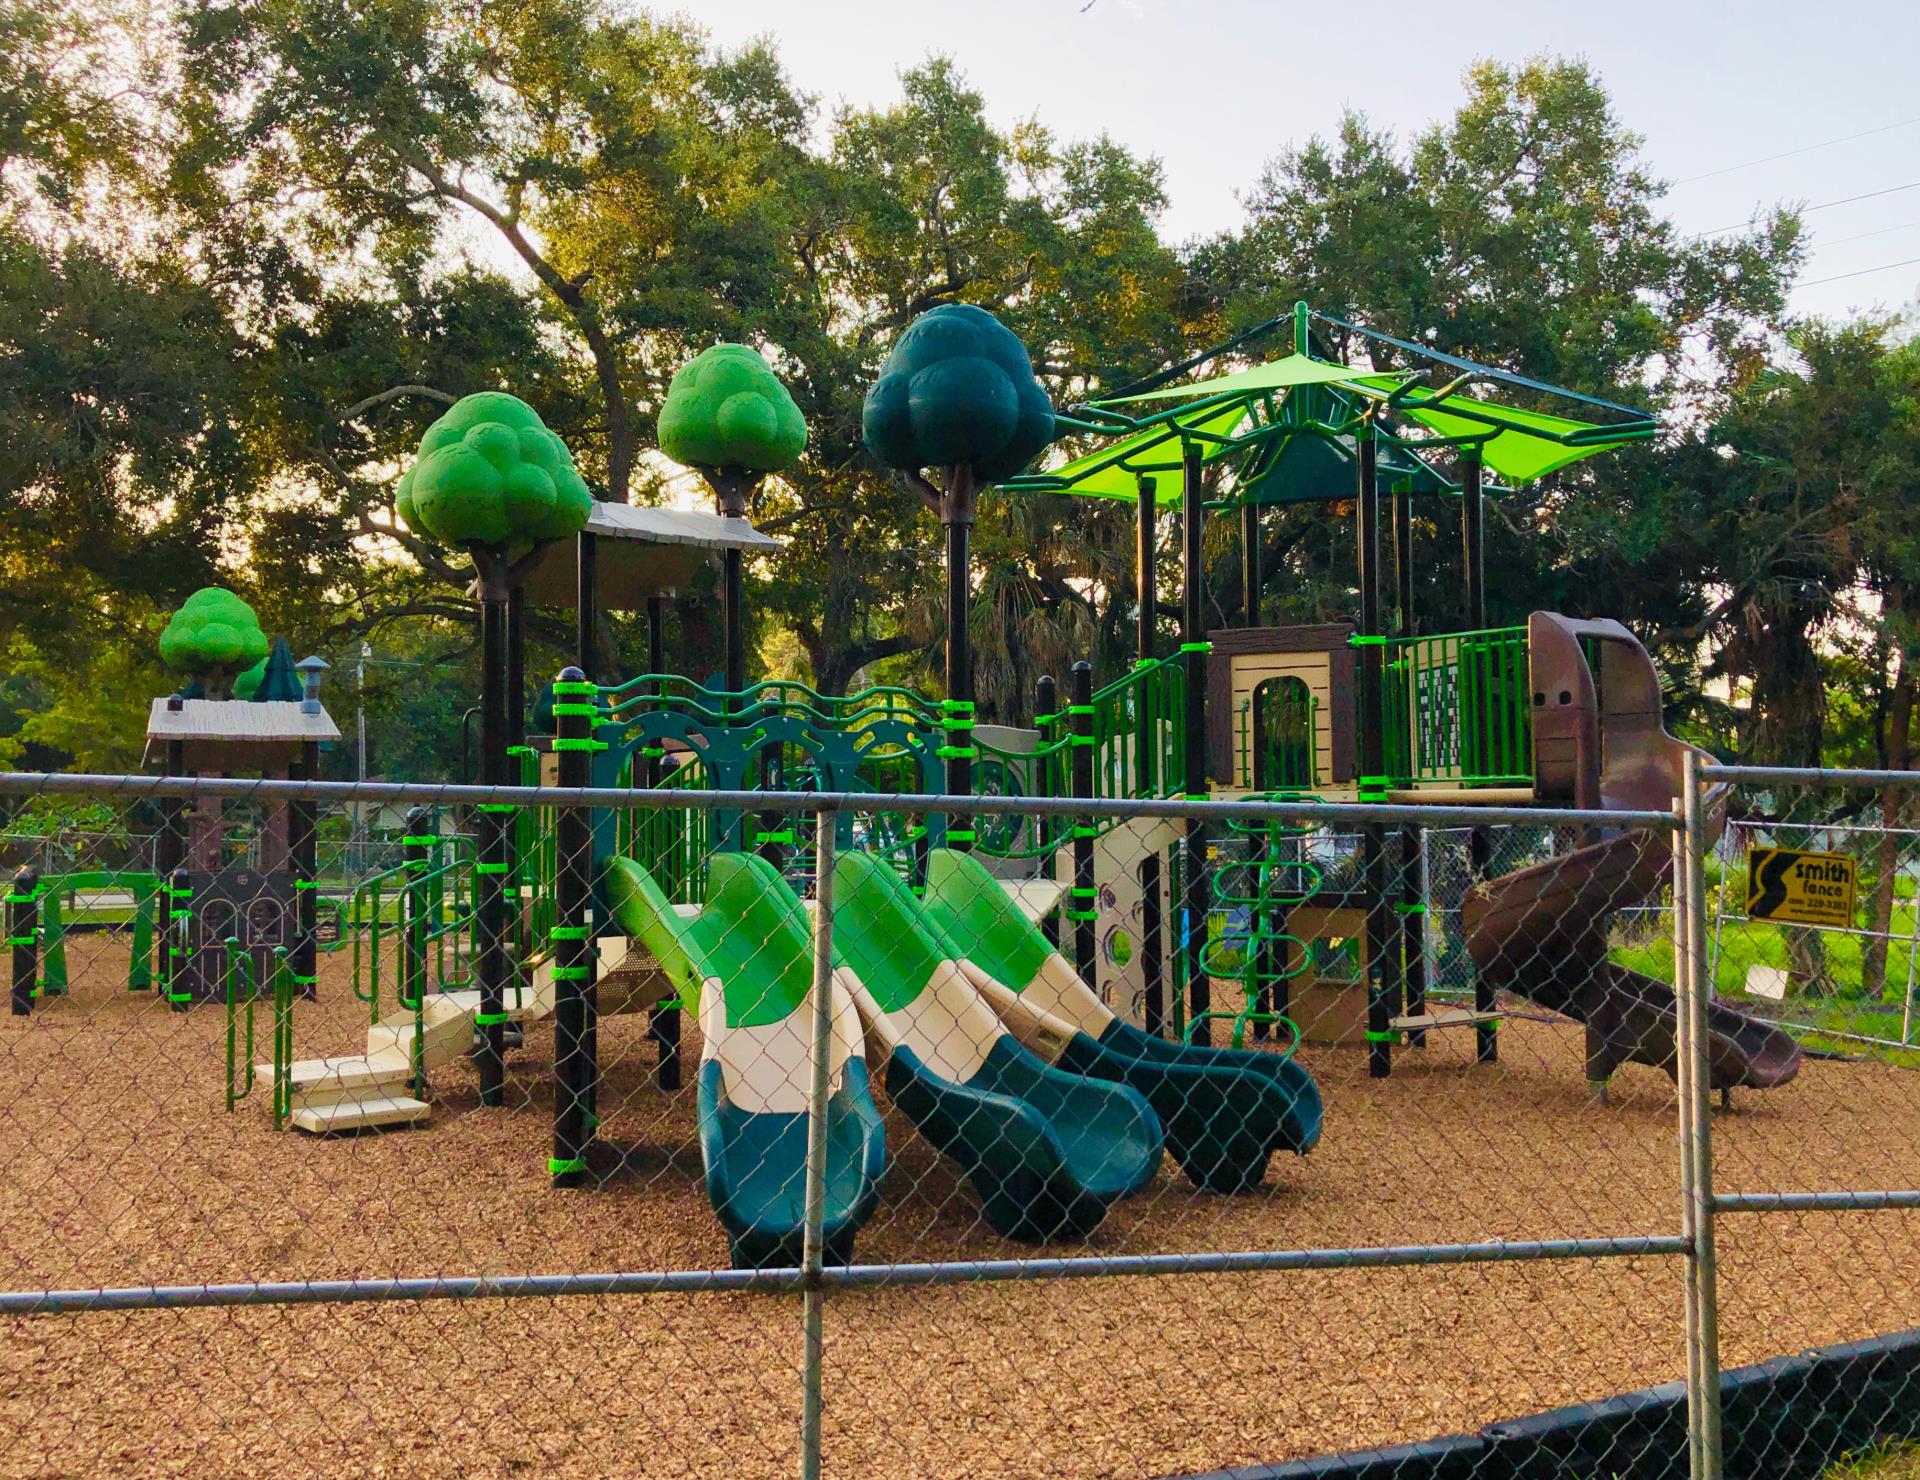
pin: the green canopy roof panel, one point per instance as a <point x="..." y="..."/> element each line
<point x="1281" y="374"/>
<point x="1114" y="471"/>
<point x="1520" y="445"/>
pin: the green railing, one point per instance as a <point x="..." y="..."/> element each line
<point x="1457" y="708"/>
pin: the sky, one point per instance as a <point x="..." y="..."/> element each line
<point x="1714" y="88"/>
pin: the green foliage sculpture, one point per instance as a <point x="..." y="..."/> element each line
<point x="211" y="638"/>
<point x="491" y="478"/>
<point x="726" y="409"/>
<point x="727" y="415"/>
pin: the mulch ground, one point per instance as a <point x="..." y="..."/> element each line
<point x="122" y="1166"/>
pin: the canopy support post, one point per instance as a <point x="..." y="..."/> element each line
<point x="1193" y="645"/>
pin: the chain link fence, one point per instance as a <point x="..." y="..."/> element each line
<point x="686" y="1133"/>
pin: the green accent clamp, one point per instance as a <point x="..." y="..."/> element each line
<point x="1080" y="709"/>
<point x="589" y="710"/>
<point x="1408" y="909"/>
<point x="492" y="870"/>
<point x="1081" y="914"/>
<point x="1364" y="639"/>
<point x="957" y="706"/>
<point x="1196" y="647"/>
<point x="1388" y="1037"/>
<point x="957" y="753"/>
<point x="521" y="750"/>
<point x="1085" y="832"/>
<point x="306" y="883"/>
<point x="560" y="1166"/>
<point x="571" y="686"/>
<point x="568" y="932"/>
<point x="570" y="744"/>
<point x="489" y="1019"/>
<point x="418" y="840"/>
<point x="962" y="835"/>
<point x="785" y="835"/>
<point x="572" y="973"/>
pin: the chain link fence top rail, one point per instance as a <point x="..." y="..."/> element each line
<point x="1107" y="1177"/>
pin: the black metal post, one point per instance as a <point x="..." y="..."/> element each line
<point x="656" y="635"/>
<point x="586" y="566"/>
<point x="574" y="1069"/>
<point x="1473" y="542"/>
<point x="1046" y="719"/>
<point x="957" y="733"/>
<point x="1193" y="645"/>
<point x="1146" y="543"/>
<point x="1250" y="577"/>
<point x="23" y="936"/>
<point x="1479" y="844"/>
<point x="1409" y="922"/>
<point x="1083" y="898"/>
<point x="303" y="852"/>
<point x="1373" y="780"/>
<point x="493" y="824"/>
<point x="516" y="731"/>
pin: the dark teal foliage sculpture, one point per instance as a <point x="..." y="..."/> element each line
<point x="958" y="390"/>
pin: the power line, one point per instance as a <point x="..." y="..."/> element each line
<point x="1860" y="236"/>
<point x="1863" y="272"/>
<point x="1866" y="133"/>
<point x="1825" y="205"/>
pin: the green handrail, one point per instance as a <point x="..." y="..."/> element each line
<point x="1267" y="864"/>
<point x="282" y="1038"/>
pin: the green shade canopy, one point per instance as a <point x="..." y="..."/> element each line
<point x="1520" y="445"/>
<point x="1116" y="469"/>
<point x="1281" y="374"/>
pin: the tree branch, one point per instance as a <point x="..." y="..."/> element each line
<point x="394" y="393"/>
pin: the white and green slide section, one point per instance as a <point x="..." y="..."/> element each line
<point x="748" y="958"/>
<point x="1047" y="1151"/>
<point x="1225" y="1110"/>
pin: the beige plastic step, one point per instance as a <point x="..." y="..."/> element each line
<point x="448" y="1032"/>
<point x="352" y="1072"/>
<point x="361" y="1114"/>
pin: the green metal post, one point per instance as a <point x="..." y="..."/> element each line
<point x="1046" y="720"/>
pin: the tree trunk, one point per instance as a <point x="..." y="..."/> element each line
<point x="1873" y="966"/>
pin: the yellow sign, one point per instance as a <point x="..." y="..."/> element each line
<point x="1801" y="888"/>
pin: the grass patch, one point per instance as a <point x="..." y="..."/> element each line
<point x="1886" y="1462"/>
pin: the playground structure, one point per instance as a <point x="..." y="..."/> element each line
<point x="1105" y="1042"/>
<point x="1029" y="993"/>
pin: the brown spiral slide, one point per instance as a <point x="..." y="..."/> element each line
<point x="1541" y="932"/>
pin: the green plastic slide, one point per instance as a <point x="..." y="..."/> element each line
<point x="1225" y="1110"/>
<point x="748" y="956"/>
<point x="1048" y="1152"/>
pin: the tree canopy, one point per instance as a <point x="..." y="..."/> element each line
<point x="254" y="255"/>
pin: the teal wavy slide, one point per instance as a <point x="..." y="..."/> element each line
<point x="1047" y="1151"/>
<point x="1225" y="1110"/>
<point x="748" y="957"/>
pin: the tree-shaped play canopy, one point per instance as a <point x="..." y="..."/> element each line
<point x="957" y="394"/>
<point x="213" y="637"/>
<point x="728" y="416"/>
<point x="492" y="479"/>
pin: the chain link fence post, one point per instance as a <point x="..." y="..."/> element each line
<point x="1694" y="987"/>
<point x="813" y="1252"/>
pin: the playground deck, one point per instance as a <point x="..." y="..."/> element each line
<point x="124" y="1168"/>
